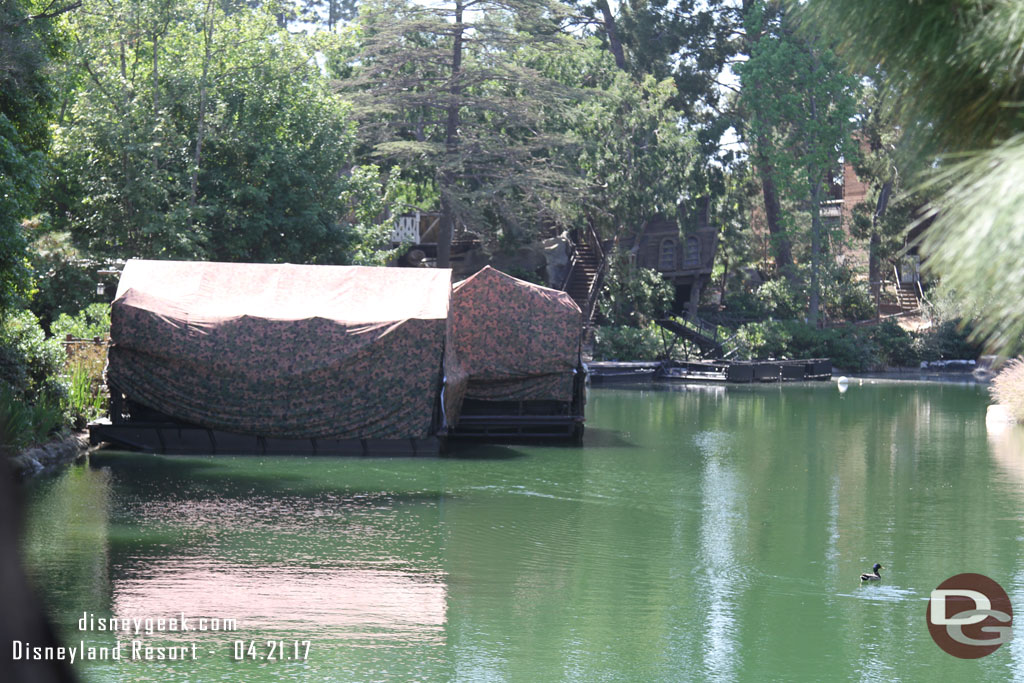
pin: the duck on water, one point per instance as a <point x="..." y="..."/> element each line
<point x="873" y="575"/>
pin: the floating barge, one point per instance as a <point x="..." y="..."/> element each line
<point x="747" y="372"/>
<point x="275" y="359"/>
<point x="601" y="372"/>
<point x="729" y="371"/>
<point x="519" y="346"/>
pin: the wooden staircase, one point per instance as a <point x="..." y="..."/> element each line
<point x="907" y="296"/>
<point x="701" y="334"/>
<point x="586" y="274"/>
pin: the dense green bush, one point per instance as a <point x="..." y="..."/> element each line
<point x="63" y="283"/>
<point x="23" y="423"/>
<point x="632" y="295"/>
<point x="946" y="341"/>
<point x="848" y="347"/>
<point x="847" y="298"/>
<point x="743" y="304"/>
<point x="92" y="321"/>
<point x="896" y="346"/>
<point x="33" y="391"/>
<point x="31" y="365"/>
<point x="782" y="300"/>
<point x="851" y="347"/>
<point x="628" y="343"/>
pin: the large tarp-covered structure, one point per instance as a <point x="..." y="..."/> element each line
<point x="515" y="340"/>
<point x="288" y="351"/>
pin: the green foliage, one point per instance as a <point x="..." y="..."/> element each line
<point x="625" y="343"/>
<point x="26" y="99"/>
<point x="92" y="321"/>
<point x="631" y="295"/>
<point x="798" y="103"/>
<point x="223" y="140"/>
<point x="949" y="340"/>
<point x="23" y="424"/>
<point x="31" y="365"/>
<point x="1008" y="388"/>
<point x="64" y="282"/>
<point x="854" y="348"/>
<point x="367" y="199"/>
<point x="782" y="299"/>
<point x="845" y="296"/>
<point x="847" y="347"/>
<point x="896" y="347"/>
<point x="635" y="156"/>
<point x="86" y="400"/>
<point x="743" y="304"/>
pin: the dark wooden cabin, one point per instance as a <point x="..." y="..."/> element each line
<point x="684" y="259"/>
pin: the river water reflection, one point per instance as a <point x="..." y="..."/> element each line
<point x="699" y="534"/>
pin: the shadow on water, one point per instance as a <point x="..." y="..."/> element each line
<point x="596" y="437"/>
<point x="463" y="450"/>
<point x="241" y="477"/>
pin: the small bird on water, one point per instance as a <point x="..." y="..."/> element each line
<point x="873" y="575"/>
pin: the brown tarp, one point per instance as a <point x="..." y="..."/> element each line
<point x="516" y="340"/>
<point x="287" y="351"/>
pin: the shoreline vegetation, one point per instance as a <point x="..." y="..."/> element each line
<point x="1008" y="389"/>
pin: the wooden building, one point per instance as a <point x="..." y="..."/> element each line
<point x="685" y="260"/>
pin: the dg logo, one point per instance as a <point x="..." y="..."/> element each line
<point x="969" y="616"/>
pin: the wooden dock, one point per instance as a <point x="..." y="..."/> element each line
<point x="727" y="371"/>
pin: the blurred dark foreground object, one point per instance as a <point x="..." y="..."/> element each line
<point x="21" y="613"/>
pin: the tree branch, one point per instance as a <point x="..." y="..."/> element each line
<point x="50" y="14"/>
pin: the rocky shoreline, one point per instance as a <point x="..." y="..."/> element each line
<point x="49" y="456"/>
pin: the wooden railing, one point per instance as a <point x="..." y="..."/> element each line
<point x="590" y="235"/>
<point x="421" y="227"/>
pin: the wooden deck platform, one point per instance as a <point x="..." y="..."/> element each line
<point x="730" y="371"/>
<point x="616" y="371"/>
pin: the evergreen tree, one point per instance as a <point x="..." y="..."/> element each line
<point x="445" y="88"/>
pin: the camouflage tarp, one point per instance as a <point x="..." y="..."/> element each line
<point x="286" y="350"/>
<point x="516" y="340"/>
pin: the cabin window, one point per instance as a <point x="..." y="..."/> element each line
<point x="692" y="255"/>
<point x="667" y="255"/>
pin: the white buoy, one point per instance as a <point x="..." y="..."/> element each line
<point x="843" y="383"/>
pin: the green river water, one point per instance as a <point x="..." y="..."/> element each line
<point x="699" y="534"/>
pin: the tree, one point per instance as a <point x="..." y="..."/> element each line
<point x="799" y="105"/>
<point x="953" y="77"/>
<point x="442" y="87"/>
<point x="632" y="151"/>
<point x="26" y="104"/>
<point x="202" y="134"/>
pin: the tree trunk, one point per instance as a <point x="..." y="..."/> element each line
<point x="610" y="30"/>
<point x="773" y="216"/>
<point x="156" y="93"/>
<point x="874" y="263"/>
<point x="815" y="302"/>
<point x="447" y="227"/>
<point x="201" y="123"/>
<point x="694" y="302"/>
